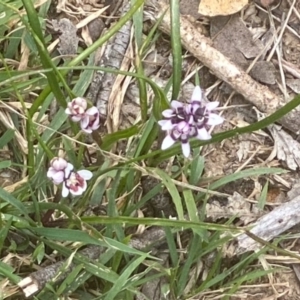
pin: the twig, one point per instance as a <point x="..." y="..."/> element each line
<point x="36" y="281"/>
<point x="271" y="225"/>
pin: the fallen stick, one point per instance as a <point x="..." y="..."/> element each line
<point x="271" y="225"/>
<point x="201" y="48"/>
<point x="36" y="281"/>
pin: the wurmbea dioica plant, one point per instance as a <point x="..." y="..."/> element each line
<point x="60" y="171"/>
<point x="185" y="121"/>
<point x="74" y="182"/>
<point x="89" y="118"/>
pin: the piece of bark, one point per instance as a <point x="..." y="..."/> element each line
<point x="37" y="280"/>
<point x="201" y="47"/>
<point x="271" y="225"/>
<point x="100" y="88"/>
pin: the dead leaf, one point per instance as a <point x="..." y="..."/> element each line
<point x="294" y="84"/>
<point x="68" y="40"/>
<point x="213" y="8"/>
<point x="232" y="38"/>
<point x="287" y="148"/>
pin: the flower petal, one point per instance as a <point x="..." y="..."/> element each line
<point x="58" y="163"/>
<point x="168" y="113"/>
<point x="51" y="172"/>
<point x="167" y="142"/>
<point x="68" y="170"/>
<point x="80" y="102"/>
<point x="92" y="111"/>
<point x="78" y="192"/>
<point x="203" y="134"/>
<point x="165" y="124"/>
<point x="84" y="123"/>
<point x="212" y="105"/>
<point x="87" y="130"/>
<point x="58" y="178"/>
<point x="176" y="104"/>
<point x="65" y="191"/>
<point x="214" y="119"/>
<point x="85" y="174"/>
<point x="68" y="111"/>
<point x="76" y="118"/>
<point x="197" y="94"/>
<point x="186" y="149"/>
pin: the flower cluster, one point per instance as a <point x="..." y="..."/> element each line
<point x="184" y="121"/>
<point x="74" y="182"/>
<point x="89" y="118"/>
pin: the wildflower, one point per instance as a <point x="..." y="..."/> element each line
<point x="201" y="114"/>
<point x="75" y="182"/>
<point x="175" y="114"/>
<point x="56" y="171"/>
<point x="91" y="120"/>
<point x="180" y="132"/>
<point x="76" y="109"/>
<point x="184" y="121"/>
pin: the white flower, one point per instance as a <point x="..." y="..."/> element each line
<point x="60" y="171"/>
<point x="56" y="171"/>
<point x="91" y="120"/>
<point x="75" y="182"/>
<point x="184" y="121"/>
<point x="76" y="109"/>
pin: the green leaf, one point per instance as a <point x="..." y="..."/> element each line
<point x="176" y="47"/>
<point x="245" y="174"/>
<point x="5" y="164"/>
<point x="170" y="185"/>
<point x="39" y="253"/>
<point x="263" y="196"/>
<point x="7" y="272"/>
<point x="7" y="197"/>
<point x="122" y="280"/>
<point x="191" y="205"/>
<point x="197" y="167"/>
<point x="115" y="137"/>
<point x="6" y="137"/>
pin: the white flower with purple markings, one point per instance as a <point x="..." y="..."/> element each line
<point x="76" y="109"/>
<point x="185" y="121"/>
<point x="89" y="118"/>
<point x="74" y="182"/>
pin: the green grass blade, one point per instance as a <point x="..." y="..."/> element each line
<point x="122" y="280"/>
<point x="6" y="137"/>
<point x="169" y="184"/>
<point x="176" y="47"/>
